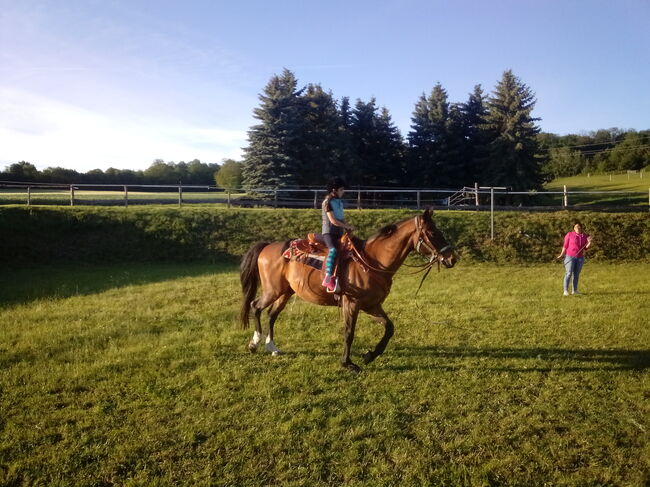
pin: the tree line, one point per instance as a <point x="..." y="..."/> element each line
<point x="304" y="136"/>
<point x="601" y="151"/>
<point x="159" y="172"/>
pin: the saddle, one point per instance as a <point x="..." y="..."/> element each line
<point x="312" y="251"/>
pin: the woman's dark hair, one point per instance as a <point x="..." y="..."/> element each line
<point x="334" y="184"/>
<point x="577" y="222"/>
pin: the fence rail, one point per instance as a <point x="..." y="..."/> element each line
<point x="470" y="198"/>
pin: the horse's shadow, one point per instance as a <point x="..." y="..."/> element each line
<point x="413" y="357"/>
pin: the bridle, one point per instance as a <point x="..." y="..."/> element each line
<point x="424" y="241"/>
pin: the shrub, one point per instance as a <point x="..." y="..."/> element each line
<point x="82" y="234"/>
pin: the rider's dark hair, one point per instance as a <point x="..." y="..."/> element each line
<point x="334" y="184"/>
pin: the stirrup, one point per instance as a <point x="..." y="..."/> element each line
<point x="334" y="289"/>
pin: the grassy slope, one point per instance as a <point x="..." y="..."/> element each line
<point x="137" y="375"/>
<point x="62" y="197"/>
<point x="619" y="182"/>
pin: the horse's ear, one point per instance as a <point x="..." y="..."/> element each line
<point x="427" y="214"/>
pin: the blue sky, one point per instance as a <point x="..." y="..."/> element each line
<point x="93" y="84"/>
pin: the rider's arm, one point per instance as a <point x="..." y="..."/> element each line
<point x="334" y="221"/>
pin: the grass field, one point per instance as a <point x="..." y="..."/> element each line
<point x="62" y="197"/>
<point x="633" y="183"/>
<point x="138" y="375"/>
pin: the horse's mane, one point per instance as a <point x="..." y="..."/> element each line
<point x="388" y="230"/>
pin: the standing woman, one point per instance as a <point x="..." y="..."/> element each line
<point x="575" y="243"/>
<point x="334" y="225"/>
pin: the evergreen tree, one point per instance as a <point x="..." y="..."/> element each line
<point x="391" y="149"/>
<point x="320" y="145"/>
<point x="475" y="147"/>
<point x="435" y="141"/>
<point x="513" y="160"/>
<point x="345" y="164"/>
<point x="376" y="146"/>
<point x="272" y="158"/>
<point x="419" y="145"/>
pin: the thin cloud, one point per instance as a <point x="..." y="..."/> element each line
<point x="50" y="133"/>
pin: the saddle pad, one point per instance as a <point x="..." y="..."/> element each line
<point x="303" y="251"/>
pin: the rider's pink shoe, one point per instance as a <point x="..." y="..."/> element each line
<point x="333" y="285"/>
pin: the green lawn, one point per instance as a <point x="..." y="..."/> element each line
<point x="633" y="183"/>
<point x="62" y="197"/>
<point x="138" y="375"/>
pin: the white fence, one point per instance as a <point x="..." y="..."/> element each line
<point x="470" y="198"/>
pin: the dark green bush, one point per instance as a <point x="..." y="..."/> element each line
<point x="82" y="234"/>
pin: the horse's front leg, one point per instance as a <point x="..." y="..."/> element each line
<point x="379" y="315"/>
<point x="350" y="314"/>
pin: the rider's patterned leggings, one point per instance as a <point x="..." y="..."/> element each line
<point x="331" y="255"/>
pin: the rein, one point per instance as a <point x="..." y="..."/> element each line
<point x="423" y="241"/>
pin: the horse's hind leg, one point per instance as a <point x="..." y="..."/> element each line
<point x="257" y="306"/>
<point x="274" y="311"/>
<point x="379" y="315"/>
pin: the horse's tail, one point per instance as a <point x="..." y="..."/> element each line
<point x="249" y="276"/>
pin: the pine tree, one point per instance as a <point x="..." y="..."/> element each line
<point x="346" y="163"/>
<point x="476" y="139"/>
<point x="272" y="158"/>
<point x="435" y="141"/>
<point x="513" y="160"/>
<point x="362" y="130"/>
<point x="320" y="144"/>
<point x="376" y="145"/>
<point x="391" y="149"/>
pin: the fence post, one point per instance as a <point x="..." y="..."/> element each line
<point x="71" y="195"/>
<point x="275" y="198"/>
<point x="565" y="199"/>
<point x="315" y="199"/>
<point x="180" y="195"/>
<point x="492" y="213"/>
<point x="126" y="196"/>
<point x="418" y="193"/>
<point x="358" y="199"/>
<point x="29" y="195"/>
<point x="476" y="194"/>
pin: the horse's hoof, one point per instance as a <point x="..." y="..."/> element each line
<point x="368" y="357"/>
<point x="354" y="368"/>
<point x="252" y="348"/>
<point x="276" y="353"/>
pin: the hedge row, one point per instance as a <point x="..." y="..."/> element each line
<point x="62" y="234"/>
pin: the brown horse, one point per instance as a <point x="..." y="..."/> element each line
<point x="361" y="290"/>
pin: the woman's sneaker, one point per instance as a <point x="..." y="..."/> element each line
<point x="566" y="293"/>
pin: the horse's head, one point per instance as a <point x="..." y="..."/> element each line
<point x="430" y="242"/>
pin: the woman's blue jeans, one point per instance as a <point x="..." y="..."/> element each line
<point x="572" y="266"/>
